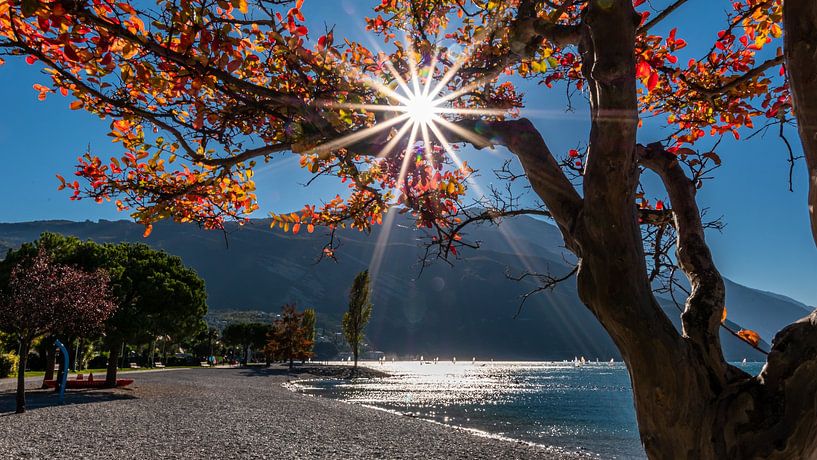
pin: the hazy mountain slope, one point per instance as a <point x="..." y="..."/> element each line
<point x="465" y="310"/>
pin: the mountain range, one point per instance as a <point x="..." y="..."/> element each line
<point x="467" y="309"/>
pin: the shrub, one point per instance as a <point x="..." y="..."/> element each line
<point x="8" y="365"/>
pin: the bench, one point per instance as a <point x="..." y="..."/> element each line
<point x="158" y="365"/>
<point x="204" y="364"/>
<point x="134" y="366"/>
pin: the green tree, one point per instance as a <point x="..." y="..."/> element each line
<point x="246" y="336"/>
<point x="360" y="310"/>
<point x="309" y="324"/>
<point x="155" y="293"/>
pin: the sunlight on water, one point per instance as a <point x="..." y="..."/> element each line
<point x="587" y="408"/>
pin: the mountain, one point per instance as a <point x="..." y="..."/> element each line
<point x="464" y="310"/>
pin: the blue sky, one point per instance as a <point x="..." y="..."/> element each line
<point x="766" y="243"/>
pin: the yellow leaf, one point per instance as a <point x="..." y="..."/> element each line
<point x="241" y="5"/>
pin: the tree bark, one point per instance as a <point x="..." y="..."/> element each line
<point x="113" y="363"/>
<point x="800" y="44"/>
<point x="25" y="344"/>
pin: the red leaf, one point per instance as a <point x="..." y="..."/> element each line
<point x="31" y="60"/>
<point x="653" y="81"/>
<point x="70" y="53"/>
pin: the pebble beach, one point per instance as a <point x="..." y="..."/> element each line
<point x="231" y="414"/>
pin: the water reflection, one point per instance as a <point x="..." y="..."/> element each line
<point x="587" y="407"/>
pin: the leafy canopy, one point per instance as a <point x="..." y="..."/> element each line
<point x="199" y="92"/>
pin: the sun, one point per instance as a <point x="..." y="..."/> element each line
<point x="421" y="108"/>
<point x="422" y="103"/>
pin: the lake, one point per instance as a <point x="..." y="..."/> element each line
<point x="587" y="408"/>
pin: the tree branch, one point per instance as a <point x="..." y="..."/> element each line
<point x="704" y="306"/>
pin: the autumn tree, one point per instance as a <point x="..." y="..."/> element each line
<point x="289" y="337"/>
<point x="199" y="92"/>
<point x="360" y="310"/>
<point x="42" y="296"/>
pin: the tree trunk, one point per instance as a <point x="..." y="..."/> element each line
<point x="151" y="358"/>
<point x="50" y="361"/>
<point x="355" y="353"/>
<point x="113" y="362"/>
<point x="800" y="42"/>
<point x="21" y="375"/>
<point x="60" y="370"/>
<point x="290" y="363"/>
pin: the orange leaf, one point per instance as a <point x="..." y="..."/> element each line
<point x="723" y="316"/>
<point x="749" y="336"/>
<point x="148" y="229"/>
<point x="76" y="105"/>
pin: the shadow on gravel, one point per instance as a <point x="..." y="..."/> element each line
<point x="46" y="398"/>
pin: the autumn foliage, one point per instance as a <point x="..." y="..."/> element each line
<point x="199" y="94"/>
<point x="290" y="337"/>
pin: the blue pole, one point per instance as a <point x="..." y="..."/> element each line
<point x="64" y="376"/>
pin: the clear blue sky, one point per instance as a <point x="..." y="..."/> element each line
<point x="766" y="244"/>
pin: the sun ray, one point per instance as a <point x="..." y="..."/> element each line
<point x="415" y="77"/>
<point x="394" y="140"/>
<point x="368" y="107"/>
<point x="471" y="111"/>
<point x="468" y="135"/>
<point x="357" y="136"/>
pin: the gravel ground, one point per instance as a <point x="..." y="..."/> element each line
<point x="229" y="414"/>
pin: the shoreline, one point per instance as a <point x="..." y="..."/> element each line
<point x="231" y="413"/>
<point x="296" y="387"/>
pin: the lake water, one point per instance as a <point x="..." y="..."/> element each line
<point x="587" y="409"/>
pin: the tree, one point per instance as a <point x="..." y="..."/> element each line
<point x="42" y="296"/>
<point x="800" y="21"/>
<point x="235" y="83"/>
<point x="310" y="324"/>
<point x="246" y="336"/>
<point x="360" y="310"/>
<point x="155" y="293"/>
<point x="289" y="337"/>
<point x="158" y="296"/>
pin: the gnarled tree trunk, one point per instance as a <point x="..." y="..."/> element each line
<point x="689" y="402"/>
<point x="800" y="26"/>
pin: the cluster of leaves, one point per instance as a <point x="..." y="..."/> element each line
<point x="155" y="293"/>
<point x="42" y="296"/>
<point x="726" y="88"/>
<point x="291" y="336"/>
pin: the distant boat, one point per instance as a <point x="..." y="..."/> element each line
<point x="744" y="361"/>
